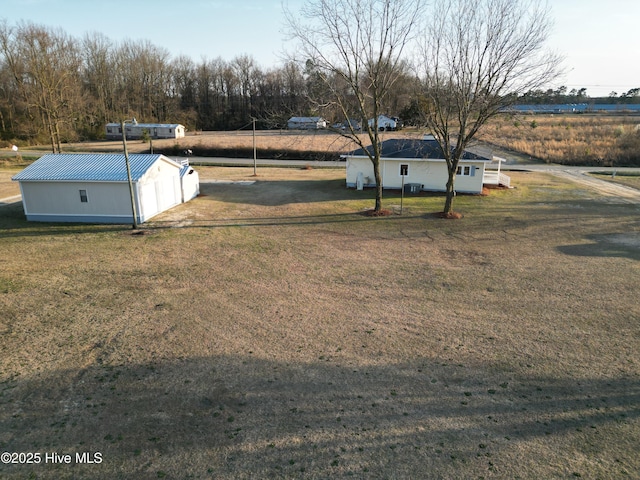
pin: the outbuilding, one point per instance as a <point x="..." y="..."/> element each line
<point x="94" y="188"/>
<point x="306" y="123"/>
<point x="419" y="163"/>
<point x="136" y="131"/>
<point x="385" y="123"/>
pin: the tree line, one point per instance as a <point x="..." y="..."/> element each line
<point x="55" y="88"/>
<point x="562" y="95"/>
<point x="469" y="60"/>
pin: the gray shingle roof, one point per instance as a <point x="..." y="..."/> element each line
<point x="98" y="167"/>
<point x="410" y="149"/>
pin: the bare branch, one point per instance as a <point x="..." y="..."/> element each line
<point x="477" y="56"/>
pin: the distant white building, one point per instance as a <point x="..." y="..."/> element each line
<point x="136" y="131"/>
<point x="306" y="123"/>
<point x="385" y="123"/>
<point x="94" y="188"/>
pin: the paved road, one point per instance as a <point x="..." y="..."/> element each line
<point x="248" y="162"/>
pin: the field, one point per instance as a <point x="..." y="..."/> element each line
<point x="270" y="330"/>
<point x="269" y="144"/>
<point x="598" y="140"/>
<point x="595" y="140"/>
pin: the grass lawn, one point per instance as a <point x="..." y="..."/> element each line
<point x="270" y="330"/>
<point x="630" y="180"/>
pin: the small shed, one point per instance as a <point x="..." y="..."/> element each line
<point x="420" y="162"/>
<point x="94" y="188"/>
<point x="136" y="131"/>
<point x="306" y="123"/>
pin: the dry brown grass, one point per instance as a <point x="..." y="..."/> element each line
<point x="7" y="187"/>
<point x="267" y="140"/>
<point x="568" y="139"/>
<point x="596" y="140"/>
<point x="278" y="140"/>
<point x="622" y="179"/>
<point x="270" y="331"/>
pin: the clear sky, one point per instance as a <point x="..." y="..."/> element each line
<point x="600" y="40"/>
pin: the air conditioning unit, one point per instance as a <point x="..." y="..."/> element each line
<point x="412" y="188"/>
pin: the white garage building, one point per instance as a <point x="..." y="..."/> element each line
<point x="93" y="188"/>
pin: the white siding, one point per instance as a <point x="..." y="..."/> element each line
<point x="190" y="185"/>
<point x="56" y="198"/>
<point x="161" y="184"/>
<point x="432" y="175"/>
<point x="357" y="165"/>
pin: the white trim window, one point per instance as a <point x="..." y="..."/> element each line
<point x="466" y="170"/>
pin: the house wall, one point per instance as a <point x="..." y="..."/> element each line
<point x="190" y="185"/>
<point x="384" y="123"/>
<point x="432" y="175"/>
<point x="159" y="189"/>
<point x="61" y="202"/>
<point x="311" y="125"/>
<point x="135" y="132"/>
<point x="357" y="165"/>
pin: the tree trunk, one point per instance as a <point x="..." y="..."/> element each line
<point x="376" y="164"/>
<point x="46" y="119"/>
<point x="376" y="172"/>
<point x="448" y="204"/>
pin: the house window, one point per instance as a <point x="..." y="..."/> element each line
<point x="465" y="170"/>
<point x="404" y="169"/>
<point x="83" y="196"/>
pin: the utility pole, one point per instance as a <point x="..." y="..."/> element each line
<point x="126" y="159"/>
<point x="255" y="157"/>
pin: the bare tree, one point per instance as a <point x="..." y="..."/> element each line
<point x="478" y="56"/>
<point x="44" y="64"/>
<point x="98" y="69"/>
<point x="356" y="48"/>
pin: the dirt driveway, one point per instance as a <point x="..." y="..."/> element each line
<point x="613" y="192"/>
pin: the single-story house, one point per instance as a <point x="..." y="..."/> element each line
<point x="306" y="123"/>
<point x="136" y="131"/>
<point x="94" y="188"/>
<point x="386" y="123"/>
<point x="417" y="162"/>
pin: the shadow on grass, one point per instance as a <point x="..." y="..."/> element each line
<point x="281" y="221"/>
<point x="18" y="226"/>
<point x="242" y="417"/>
<point x="284" y="192"/>
<point x="607" y="245"/>
<point x="13" y="223"/>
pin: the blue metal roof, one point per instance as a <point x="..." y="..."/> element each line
<point x="98" y="167"/>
